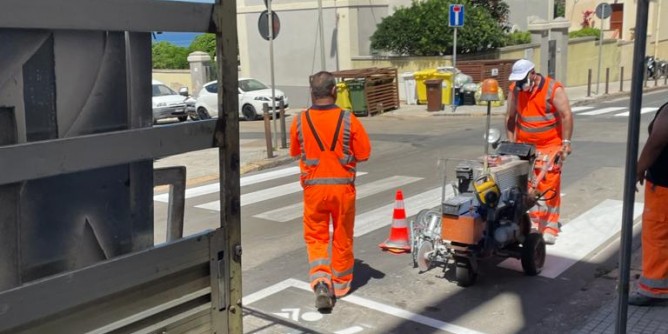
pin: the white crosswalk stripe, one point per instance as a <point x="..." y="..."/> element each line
<point x="579" y="238"/>
<point x="580" y="109"/>
<point x="244" y="181"/>
<point x="642" y="111"/>
<point x="601" y="111"/>
<point x="262" y="195"/>
<point x="296" y="210"/>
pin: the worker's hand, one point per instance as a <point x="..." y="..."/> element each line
<point x="565" y="151"/>
<point x="640" y="178"/>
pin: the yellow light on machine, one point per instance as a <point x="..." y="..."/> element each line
<point x="489" y="90"/>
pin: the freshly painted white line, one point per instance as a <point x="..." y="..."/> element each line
<point x="262" y="195"/>
<point x="380" y="217"/>
<point x="580" y="237"/>
<point x="296" y="210"/>
<point x="390" y="310"/>
<point x="642" y="111"/>
<point x="579" y="109"/>
<point x="268" y="291"/>
<point x="350" y="330"/>
<point x="244" y="181"/>
<point x="601" y="111"/>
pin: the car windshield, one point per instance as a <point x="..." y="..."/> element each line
<point x="248" y="85"/>
<point x="162" y="90"/>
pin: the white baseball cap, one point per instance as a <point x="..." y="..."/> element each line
<point x="521" y="68"/>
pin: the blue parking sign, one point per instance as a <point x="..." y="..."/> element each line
<point x="456" y="16"/>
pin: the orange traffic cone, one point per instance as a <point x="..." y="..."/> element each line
<point x="398" y="241"/>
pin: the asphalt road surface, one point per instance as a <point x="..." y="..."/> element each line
<point x="390" y="295"/>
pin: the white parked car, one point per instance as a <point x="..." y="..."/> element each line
<point x="252" y="95"/>
<point x="168" y="103"/>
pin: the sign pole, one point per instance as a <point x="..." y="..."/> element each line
<point x="600" y="55"/>
<point x="270" y="22"/>
<point x="454" y="66"/>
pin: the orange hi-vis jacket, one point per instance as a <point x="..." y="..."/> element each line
<point x="322" y="159"/>
<point x="329" y="142"/>
<point x="537" y="119"/>
<point x="538" y="123"/>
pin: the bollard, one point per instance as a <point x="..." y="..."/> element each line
<point x="607" y="79"/>
<point x="665" y="79"/>
<point x="267" y="130"/>
<point x="621" y="79"/>
<point x="656" y="79"/>
<point x="589" y="83"/>
<point x="284" y="138"/>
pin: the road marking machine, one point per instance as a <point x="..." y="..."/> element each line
<point x="484" y="211"/>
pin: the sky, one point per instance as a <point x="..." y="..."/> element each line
<point x="179" y="38"/>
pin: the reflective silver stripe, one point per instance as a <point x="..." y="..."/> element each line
<point x="319" y="262"/>
<point x="347" y="159"/>
<point x="300" y="136"/>
<point x="548" y="98"/>
<point x="554" y="226"/>
<point x="330" y="180"/>
<point x="343" y="273"/>
<point x="319" y="274"/>
<point x="531" y="119"/>
<point x="346" y="133"/>
<point x="341" y="286"/>
<point x="661" y="283"/>
<point x="536" y="130"/>
<point x="310" y="162"/>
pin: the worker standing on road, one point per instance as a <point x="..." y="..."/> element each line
<point x="653" y="167"/>
<point x="329" y="141"/>
<point x="539" y="113"/>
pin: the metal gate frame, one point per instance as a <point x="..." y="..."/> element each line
<point x="200" y="275"/>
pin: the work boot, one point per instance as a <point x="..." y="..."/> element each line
<point x="550" y="239"/>
<point x="323" y="298"/>
<point x="637" y="299"/>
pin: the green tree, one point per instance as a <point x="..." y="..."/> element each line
<point x="518" y="38"/>
<point x="497" y="8"/>
<point x="205" y="43"/>
<point x="584" y="32"/>
<point x="559" y="8"/>
<point x="169" y="56"/>
<point x="422" y="30"/>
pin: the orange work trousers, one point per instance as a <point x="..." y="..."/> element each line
<point x="654" y="279"/>
<point x="322" y="203"/>
<point x="545" y="214"/>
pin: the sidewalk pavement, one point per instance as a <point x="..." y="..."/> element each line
<point x="202" y="166"/>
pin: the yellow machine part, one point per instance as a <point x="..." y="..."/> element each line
<point x="484" y="187"/>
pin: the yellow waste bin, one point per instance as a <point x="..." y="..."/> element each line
<point x="343" y="96"/>
<point x="446" y="95"/>
<point x="420" y="78"/>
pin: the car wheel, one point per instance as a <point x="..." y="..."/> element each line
<point x="201" y="114"/>
<point x="249" y="112"/>
<point x="183" y="118"/>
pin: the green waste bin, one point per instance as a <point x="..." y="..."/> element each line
<point x="357" y="98"/>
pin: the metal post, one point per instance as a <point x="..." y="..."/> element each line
<point x="600" y="56"/>
<point x="270" y="21"/>
<point x="284" y="140"/>
<point x="454" y="66"/>
<point x="589" y="82"/>
<point x="267" y="129"/>
<point x="322" y="36"/>
<point x="621" y="79"/>
<point x="486" y="136"/>
<point x="631" y="167"/>
<point x="607" y="79"/>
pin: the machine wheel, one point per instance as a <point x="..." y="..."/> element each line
<point x="533" y="254"/>
<point x="423" y="262"/>
<point x="183" y="118"/>
<point x="464" y="273"/>
<point x="249" y="112"/>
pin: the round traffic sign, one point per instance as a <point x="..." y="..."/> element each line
<point x="603" y="10"/>
<point x="263" y="24"/>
